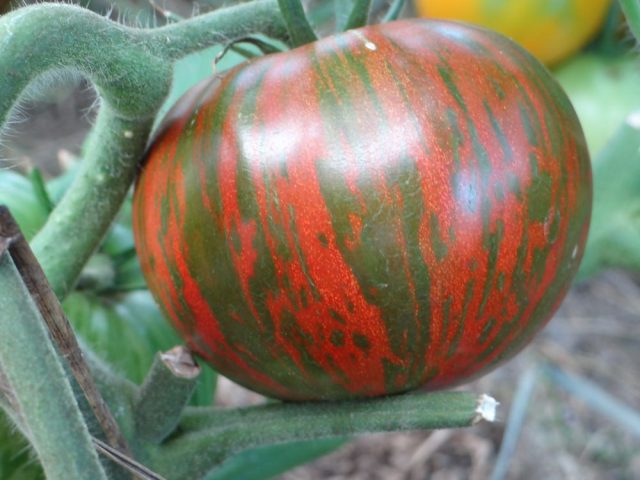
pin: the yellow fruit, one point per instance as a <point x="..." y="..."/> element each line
<point x="550" y="29"/>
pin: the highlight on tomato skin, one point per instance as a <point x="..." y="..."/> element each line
<point x="552" y="30"/>
<point x="396" y="207"/>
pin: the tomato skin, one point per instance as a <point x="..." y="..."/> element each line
<point x="551" y="30"/>
<point x="399" y="206"/>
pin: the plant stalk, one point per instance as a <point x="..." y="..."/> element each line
<point x="394" y="11"/>
<point x="359" y="14"/>
<point x="221" y="26"/>
<point x="208" y="436"/>
<point x="164" y="394"/>
<point x="298" y="26"/>
<point x="52" y="419"/>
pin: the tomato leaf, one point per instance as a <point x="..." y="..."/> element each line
<point x="266" y="462"/>
<point x="16" y="192"/>
<point x="17" y="461"/>
<point x="126" y="338"/>
<point x="603" y="91"/>
<point x="614" y="237"/>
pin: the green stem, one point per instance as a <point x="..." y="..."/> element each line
<point x="394" y="11"/>
<point x="208" y="436"/>
<point x="56" y="428"/>
<point x="297" y="24"/>
<point x="131" y="69"/>
<point x="631" y="9"/>
<point x="359" y="14"/>
<point x="176" y="40"/>
<point x="79" y="222"/>
<point x="342" y="11"/>
<point x="164" y="394"/>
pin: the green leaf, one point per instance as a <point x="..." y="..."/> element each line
<point x="614" y="236"/>
<point x="17" y="461"/>
<point x="631" y="9"/>
<point x="603" y="90"/>
<point x="16" y="192"/>
<point x="126" y="330"/>
<point x="267" y="462"/>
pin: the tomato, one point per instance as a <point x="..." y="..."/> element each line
<point x="550" y="29"/>
<point x="398" y="206"/>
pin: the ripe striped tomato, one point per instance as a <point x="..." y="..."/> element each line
<point x="393" y="207"/>
<point x="550" y="29"/>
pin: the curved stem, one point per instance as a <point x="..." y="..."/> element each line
<point x="131" y="69"/>
<point x="215" y="434"/>
<point x="359" y="14"/>
<point x="47" y="405"/>
<point x="78" y="224"/>
<point x="631" y="9"/>
<point x="297" y="24"/>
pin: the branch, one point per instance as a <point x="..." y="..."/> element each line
<point x="57" y="324"/>
<point x="208" y="436"/>
<point x="164" y="394"/>
<point x="176" y="40"/>
<point x="56" y="428"/>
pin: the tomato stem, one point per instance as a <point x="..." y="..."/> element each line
<point x="394" y="11"/>
<point x="215" y="433"/>
<point x="359" y="14"/>
<point x="164" y="394"/>
<point x="48" y="409"/>
<point x="298" y="26"/>
<point x="176" y="40"/>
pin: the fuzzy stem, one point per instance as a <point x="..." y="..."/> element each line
<point x="631" y="9"/>
<point x="297" y="24"/>
<point x="176" y="40"/>
<point x="164" y="394"/>
<point x="359" y="14"/>
<point x="85" y="213"/>
<point x="215" y="434"/>
<point x="131" y="69"/>
<point x="51" y="415"/>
